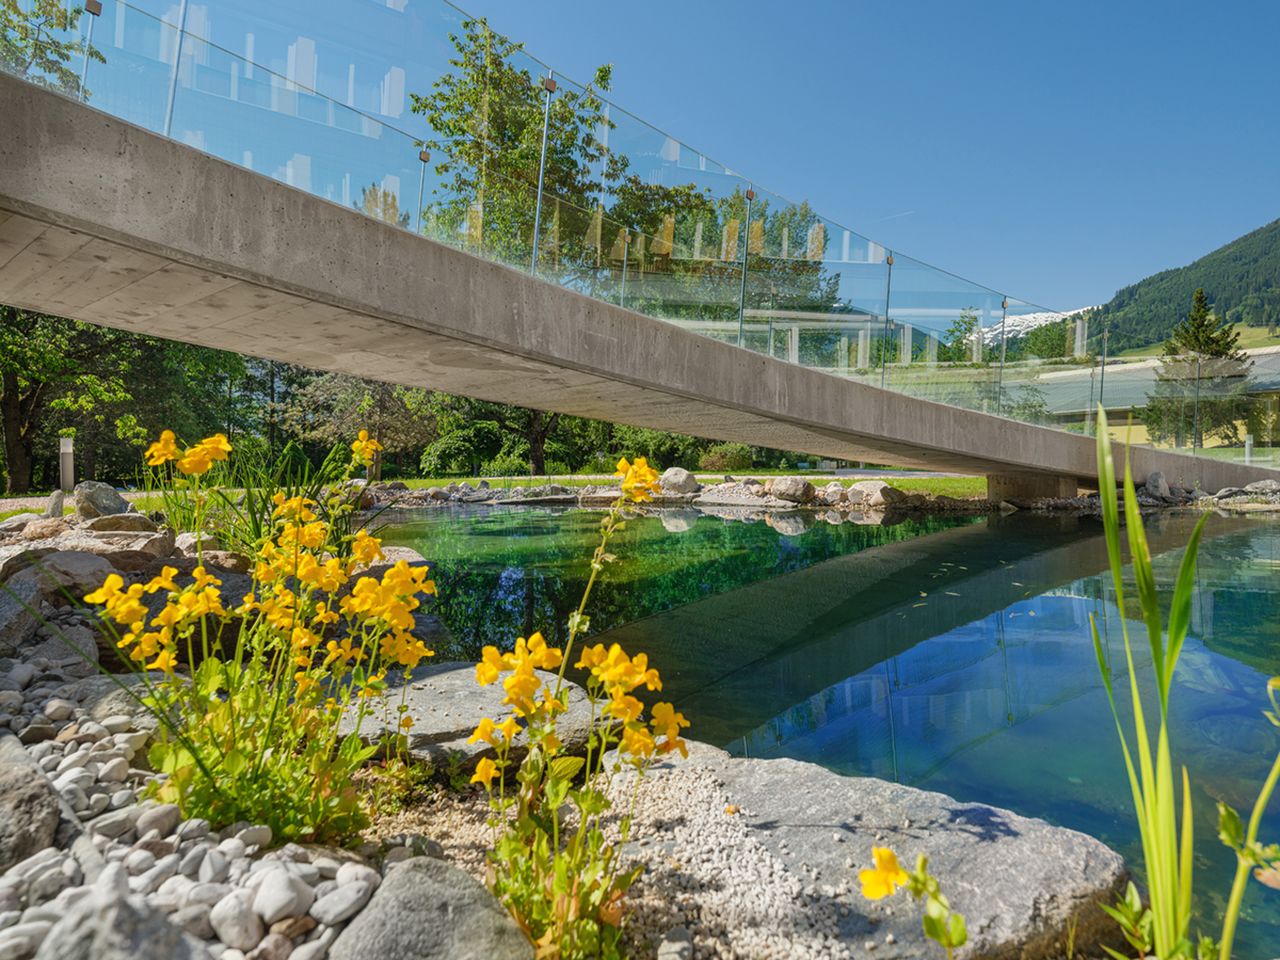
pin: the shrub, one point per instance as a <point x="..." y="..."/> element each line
<point x="251" y="729"/>
<point x="726" y="456"/>
<point x="557" y="874"/>
<point x="505" y="465"/>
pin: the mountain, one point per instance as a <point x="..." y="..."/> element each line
<point x="1241" y="279"/>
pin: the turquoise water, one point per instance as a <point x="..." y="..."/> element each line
<point x="952" y="655"/>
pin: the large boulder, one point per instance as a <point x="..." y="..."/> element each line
<point x="869" y="492"/>
<point x="430" y="910"/>
<point x="96" y="499"/>
<point x="1156" y="485"/>
<point x="28" y="805"/>
<point x="121" y="523"/>
<point x="18" y="522"/>
<point x="19" y="605"/>
<point x="1021" y="884"/>
<point x="678" y="480"/>
<point x="108" y="926"/>
<point x="446" y="703"/>
<point x="45" y="528"/>
<point x="53" y="506"/>
<point x="791" y="489"/>
<point x="1263" y="486"/>
<point x="66" y="574"/>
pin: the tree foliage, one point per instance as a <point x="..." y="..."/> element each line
<point x="40" y="42"/>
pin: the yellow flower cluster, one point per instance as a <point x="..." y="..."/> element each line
<point x="185" y="608"/>
<point x="618" y="675"/>
<point x="523" y="684"/>
<point x="195" y="460"/>
<point x="365" y="448"/>
<point x="301" y="589"/>
<point x="639" y="480"/>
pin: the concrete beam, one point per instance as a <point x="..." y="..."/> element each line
<point x="111" y="224"/>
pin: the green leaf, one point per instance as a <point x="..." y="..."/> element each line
<point x="1230" y="827"/>
<point x="959" y="932"/>
<point x="566" y="768"/>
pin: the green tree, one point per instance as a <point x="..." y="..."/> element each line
<point x="40" y="43"/>
<point x="49" y="364"/>
<point x="1201" y="388"/>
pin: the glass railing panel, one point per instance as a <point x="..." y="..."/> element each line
<point x="131" y="71"/>
<point x="944" y="337"/>
<point x="261" y="120"/>
<point x="1048" y="376"/>
<point x="815" y="292"/>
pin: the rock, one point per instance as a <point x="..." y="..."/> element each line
<point x="892" y="495"/>
<point x="112" y="927"/>
<point x="195" y="920"/>
<point x="121" y="523"/>
<point x="255" y="836"/>
<point x="1156" y="485"/>
<point x="679" y="521"/>
<point x="66" y="574"/>
<point x="427" y="908"/>
<point x="107" y="697"/>
<point x="44" y="528"/>
<point x="1020" y="883"/>
<point x="29" y="809"/>
<point x="227" y="560"/>
<point x="1226" y="493"/>
<point x="54" y="505"/>
<point x="192" y="543"/>
<point x="95" y="499"/>
<point x="870" y="492"/>
<point x="1263" y="486"/>
<point x="676" y="945"/>
<point x="19" y="605"/>
<point x="791" y="489"/>
<point x="678" y="480"/>
<point x="437" y="493"/>
<point x="274" y="946"/>
<point x="235" y="922"/>
<point x="353" y="871"/>
<point x="18" y="522"/>
<point x="163" y="818"/>
<point x="342" y="903"/>
<point x="281" y="895"/>
<point x="446" y="703"/>
<point x="834" y="492"/>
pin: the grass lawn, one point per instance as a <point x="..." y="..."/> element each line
<point x="1250" y="338"/>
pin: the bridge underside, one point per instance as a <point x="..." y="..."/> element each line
<point x="111" y="224"/>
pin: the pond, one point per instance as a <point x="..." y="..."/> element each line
<point x="949" y="654"/>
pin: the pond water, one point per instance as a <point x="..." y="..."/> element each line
<point x="948" y="654"/>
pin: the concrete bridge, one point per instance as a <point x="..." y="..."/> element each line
<point x="108" y="223"/>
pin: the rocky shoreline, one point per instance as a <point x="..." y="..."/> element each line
<point x="735" y="865"/>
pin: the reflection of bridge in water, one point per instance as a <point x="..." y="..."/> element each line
<point x="804" y="640"/>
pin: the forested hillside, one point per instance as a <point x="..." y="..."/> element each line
<point x="1241" y="280"/>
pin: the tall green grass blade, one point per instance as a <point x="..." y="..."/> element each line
<point x="1144" y="578"/>
<point x="1185" y="864"/>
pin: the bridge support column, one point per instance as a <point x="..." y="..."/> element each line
<point x="864" y="349"/>
<point x="904" y="350"/>
<point x="1029" y="486"/>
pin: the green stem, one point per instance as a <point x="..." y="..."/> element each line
<point x="1242" y="865"/>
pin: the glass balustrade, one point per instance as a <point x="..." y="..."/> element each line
<point x="418" y="114"/>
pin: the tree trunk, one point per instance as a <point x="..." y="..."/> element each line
<point x="539" y="430"/>
<point x="17" y="447"/>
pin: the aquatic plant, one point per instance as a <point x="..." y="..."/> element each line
<point x="556" y="871"/>
<point x="252" y="728"/>
<point x="1163" y="926"/>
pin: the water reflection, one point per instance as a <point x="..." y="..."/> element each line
<point x="949" y="655"/>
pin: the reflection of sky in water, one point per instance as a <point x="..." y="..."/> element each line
<point x="951" y="656"/>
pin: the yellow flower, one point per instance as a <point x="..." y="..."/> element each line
<point x="364" y="448"/>
<point x="885" y="877"/>
<point x="366" y="549"/>
<point x="625" y="707"/>
<point x="486" y="770"/>
<point x="639" y="480"/>
<point x="195" y="460"/>
<point x="164" y="581"/>
<point x="1273" y="683"/>
<point x="294" y="508"/>
<point x="667" y="720"/>
<point x="485" y="732"/>
<point x="637" y="741"/>
<point x="508" y="728"/>
<point x="216" y="447"/>
<point x="165" y="660"/>
<point x="110" y="588"/>
<point x="163" y="450"/>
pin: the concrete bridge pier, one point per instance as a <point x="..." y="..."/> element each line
<point x="1030" y="486"/>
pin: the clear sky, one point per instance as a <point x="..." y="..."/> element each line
<point x="1055" y="151"/>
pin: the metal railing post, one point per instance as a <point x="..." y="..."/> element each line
<point x="549" y="87"/>
<point x="94" y="9"/>
<point x="1004" y="315"/>
<point x="884" y="344"/>
<point x="742" y="287"/>
<point x="177" y="64"/>
<point x="424" y="157"/>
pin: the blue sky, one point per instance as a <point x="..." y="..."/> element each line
<point x="1056" y="151"/>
